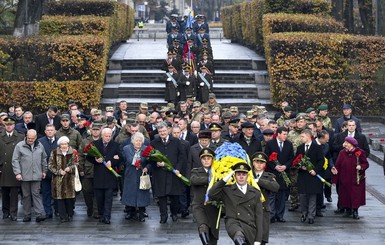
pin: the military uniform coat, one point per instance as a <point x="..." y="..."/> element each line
<point x="203" y="89"/>
<point x="86" y="166"/>
<point x="170" y="94"/>
<point x="184" y="89"/>
<point x="63" y="187"/>
<point x="244" y="212"/>
<point x="204" y="214"/>
<point x="267" y="183"/>
<point x="194" y="160"/>
<point x="165" y="182"/>
<point x="7" y="146"/>
<point x="73" y="135"/>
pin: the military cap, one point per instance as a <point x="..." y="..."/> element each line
<point x="205" y="53"/>
<point x="164" y="109"/>
<point x="268" y="132"/>
<point x="9" y="120"/>
<point x="310" y="109"/>
<point x="110" y="108"/>
<point x="215" y="109"/>
<point x="130" y="121"/>
<point x="169" y="124"/>
<point x="96" y="125"/>
<point x="186" y="67"/>
<point x="250" y="114"/>
<point x="205" y="40"/>
<point x="300" y="117"/>
<point x="205" y="134"/>
<point x="171" y="105"/>
<point x="212" y="95"/>
<point x="202" y="28"/>
<point x="197" y="104"/>
<point x="110" y="120"/>
<point x="188" y="28"/>
<point x="81" y="117"/>
<point x="233" y="108"/>
<point x="190" y="39"/>
<point x="144" y="105"/>
<point x="203" y="67"/>
<point x="171" y="113"/>
<point x="170" y="52"/>
<point x="3" y="114"/>
<point x="215" y="127"/>
<point x="288" y="108"/>
<point x="206" y="152"/>
<point x="226" y="115"/>
<point x="259" y="156"/>
<point x="170" y="66"/>
<point x="175" y="28"/>
<point x="174" y="15"/>
<point x="347" y="106"/>
<point x="241" y="167"/>
<point x="247" y="125"/>
<point x="323" y="107"/>
<point x="98" y="112"/>
<point x="176" y="40"/>
<point x="131" y="114"/>
<point x="65" y="117"/>
<point x="234" y="122"/>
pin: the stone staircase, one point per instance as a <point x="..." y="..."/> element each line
<point x="238" y="81"/>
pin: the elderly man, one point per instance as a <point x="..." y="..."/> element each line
<point x="9" y="185"/>
<point x="247" y="139"/>
<point x="22" y="127"/>
<point x="29" y="162"/>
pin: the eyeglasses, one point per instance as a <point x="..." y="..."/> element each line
<point x="141" y="121"/>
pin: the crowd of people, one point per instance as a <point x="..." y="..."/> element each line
<point x="39" y="156"/>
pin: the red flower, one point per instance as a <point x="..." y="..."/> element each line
<point x="87" y="124"/>
<point x="87" y="148"/>
<point x="76" y="153"/>
<point x="147" y="151"/>
<point x="358" y="153"/>
<point x="296" y="160"/>
<point x="273" y="157"/>
<point x="137" y="164"/>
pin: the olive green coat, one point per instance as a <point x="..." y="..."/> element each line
<point x="7" y="146"/>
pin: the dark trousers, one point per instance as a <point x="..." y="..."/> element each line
<point x="174" y="205"/>
<point x="48" y="202"/>
<point x="320" y="201"/>
<point x="327" y="189"/>
<point x="89" y="196"/>
<point x="104" y="201"/>
<point x="308" y="204"/>
<point x="10" y="199"/>
<point x="277" y="204"/>
<point x="184" y="199"/>
<point x="65" y="207"/>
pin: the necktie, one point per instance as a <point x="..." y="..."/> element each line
<point x="257" y="176"/>
<point x="306" y="148"/>
<point x="164" y="141"/>
<point x="350" y="134"/>
<point x="182" y="137"/>
<point x="280" y="146"/>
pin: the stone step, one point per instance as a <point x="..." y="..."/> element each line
<point x="160" y="33"/>
<point x="219" y="64"/>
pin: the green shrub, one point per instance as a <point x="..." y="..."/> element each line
<point x="298" y="6"/>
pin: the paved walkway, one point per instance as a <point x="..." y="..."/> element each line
<point x="158" y="50"/>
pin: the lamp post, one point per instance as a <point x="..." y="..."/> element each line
<point x="145" y="10"/>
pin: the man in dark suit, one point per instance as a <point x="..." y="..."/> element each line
<point x="49" y="117"/>
<point x="244" y="211"/>
<point x="205" y="214"/>
<point x="268" y="184"/>
<point x="308" y="184"/>
<point x="247" y="139"/>
<point x="285" y="151"/>
<point x="165" y="183"/>
<point x="104" y="180"/>
<point x="185" y="133"/>
<point x="232" y="131"/>
<point x="23" y="127"/>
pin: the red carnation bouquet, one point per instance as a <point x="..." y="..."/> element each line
<point x="358" y="176"/>
<point x="73" y="160"/>
<point x="304" y="161"/>
<point x="274" y="159"/>
<point x="92" y="151"/>
<point x="154" y="155"/>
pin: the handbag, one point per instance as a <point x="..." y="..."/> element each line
<point x="145" y="182"/>
<point x="78" y="184"/>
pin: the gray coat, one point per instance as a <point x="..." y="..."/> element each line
<point x="30" y="162"/>
<point x="7" y="145"/>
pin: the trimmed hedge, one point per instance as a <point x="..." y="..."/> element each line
<point x="34" y="94"/>
<point x="61" y="58"/>
<point x="243" y="22"/>
<point x="321" y="56"/>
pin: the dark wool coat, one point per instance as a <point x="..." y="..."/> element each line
<point x="350" y="194"/>
<point x="186" y="90"/>
<point x="63" y="187"/>
<point x="132" y="195"/>
<point x="171" y="91"/>
<point x="255" y="144"/>
<point x="244" y="212"/>
<point x="203" y="213"/>
<point x="165" y="182"/>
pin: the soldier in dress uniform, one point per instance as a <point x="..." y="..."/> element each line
<point x="171" y="80"/>
<point x="205" y="61"/>
<point x="205" y="214"/>
<point x="186" y="84"/>
<point x="323" y="116"/>
<point x="216" y="138"/>
<point x="205" y="85"/>
<point x="188" y="35"/>
<point x="267" y="183"/>
<point x="244" y="211"/>
<point x="172" y="23"/>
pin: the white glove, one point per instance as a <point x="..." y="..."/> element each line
<point x="201" y="84"/>
<point x="228" y="177"/>
<point x="187" y="83"/>
<point x="169" y="79"/>
<point x="195" y="73"/>
<point x="257" y="243"/>
<point x="177" y="93"/>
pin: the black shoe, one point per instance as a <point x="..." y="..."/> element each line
<point x="174" y="217"/>
<point x="329" y="199"/>
<point x="303" y="218"/>
<point x="272" y="220"/>
<point x="293" y="208"/>
<point x="163" y="219"/>
<point x="27" y="219"/>
<point x="355" y="214"/>
<point x="240" y="241"/>
<point x="348" y="213"/>
<point x="141" y="218"/>
<point x="204" y="238"/>
<point x="281" y="220"/>
<point x="63" y="220"/>
<point x="96" y="216"/>
<point x="323" y="206"/>
<point x="13" y="218"/>
<point x="185" y="213"/>
<point x="319" y="214"/>
<point x="107" y="221"/>
<point x="89" y="212"/>
<point x="48" y="216"/>
<point x="57" y="214"/>
<point x="6" y="216"/>
<point x="129" y="216"/>
<point x="145" y="214"/>
<point x="311" y="221"/>
<point x="39" y="219"/>
<point x="69" y="218"/>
